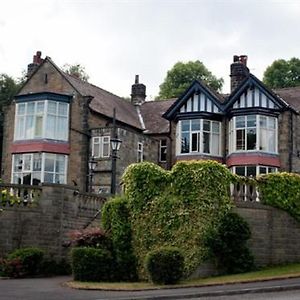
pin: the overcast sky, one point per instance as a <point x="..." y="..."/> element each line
<point x="116" y="39"/>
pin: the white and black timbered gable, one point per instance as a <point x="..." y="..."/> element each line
<point x="254" y="96"/>
<point x="198" y="100"/>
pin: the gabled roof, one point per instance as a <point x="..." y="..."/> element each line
<point x="250" y="82"/>
<point x="152" y="112"/>
<point x="195" y="87"/>
<point x="291" y="95"/>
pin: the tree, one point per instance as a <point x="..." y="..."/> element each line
<point x="77" y="71"/>
<point x="8" y="89"/>
<point x="181" y="76"/>
<point x="283" y="73"/>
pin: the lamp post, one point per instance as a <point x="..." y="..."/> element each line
<point x="115" y="144"/>
<point x="92" y="166"/>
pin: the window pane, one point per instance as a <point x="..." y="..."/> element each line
<point x="185" y="142"/>
<point x="62" y="128"/>
<point x="195" y="142"/>
<point x="36" y="178"/>
<point x="40" y="107"/>
<point x="38" y="132"/>
<point x="251" y="121"/>
<point x="63" y="109"/>
<point x="272" y="141"/>
<point x="96" y="150"/>
<point x="185" y="125"/>
<point x="29" y="127"/>
<point x="60" y="164"/>
<point x="163" y="142"/>
<point x="272" y="123"/>
<point x="240" y="171"/>
<point x="21" y="109"/>
<point x="30" y="108"/>
<point x="272" y="170"/>
<point x="195" y="125"/>
<point x="206" y="142"/>
<point x="51" y="107"/>
<point x="240" y="122"/>
<point x="105" y="150"/>
<point x="206" y="125"/>
<point x="37" y="162"/>
<point x="251" y="171"/>
<point x="27" y="162"/>
<point x="251" y="139"/>
<point x="49" y="162"/>
<point x="48" y="177"/>
<point x="240" y="139"/>
<point x="216" y="127"/>
<point x="262" y="170"/>
<point x="263" y="121"/>
<point x="215" y="147"/>
<point x="263" y="139"/>
<point x="50" y="127"/>
<point x="26" y="178"/>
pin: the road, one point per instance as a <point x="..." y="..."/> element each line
<point x="53" y="289"/>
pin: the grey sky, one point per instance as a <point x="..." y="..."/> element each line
<point x="115" y="39"/>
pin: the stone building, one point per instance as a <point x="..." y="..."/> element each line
<point x="58" y="123"/>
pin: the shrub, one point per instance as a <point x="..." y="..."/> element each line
<point x="29" y="258"/>
<point x="52" y="267"/>
<point x="11" y="268"/>
<point x="281" y="190"/>
<point x="227" y="243"/>
<point x="91" y="237"/>
<point x="165" y="265"/>
<point x="115" y="219"/>
<point x="90" y="264"/>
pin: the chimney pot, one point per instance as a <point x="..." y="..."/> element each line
<point x="238" y="70"/>
<point x="136" y="79"/>
<point x="138" y="92"/>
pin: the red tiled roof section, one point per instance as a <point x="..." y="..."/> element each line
<point x="104" y="102"/>
<point x="291" y="96"/>
<point x="152" y="112"/>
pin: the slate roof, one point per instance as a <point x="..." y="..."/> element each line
<point x="104" y="102"/>
<point x="291" y="96"/>
<point x="152" y="112"/>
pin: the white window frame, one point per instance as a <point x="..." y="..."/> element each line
<point x="43" y="156"/>
<point x="258" y="147"/>
<point x="257" y="168"/>
<point x="21" y="120"/>
<point x="101" y="142"/>
<point x="163" y="148"/>
<point x="140" y="152"/>
<point x="199" y="134"/>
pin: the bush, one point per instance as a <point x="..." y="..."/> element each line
<point x="11" y="268"/>
<point x="29" y="258"/>
<point x="281" y="190"/>
<point x="165" y="265"/>
<point x="91" y="237"/>
<point x="227" y="244"/>
<point x="115" y="219"/>
<point x="90" y="264"/>
<point x="52" y="267"/>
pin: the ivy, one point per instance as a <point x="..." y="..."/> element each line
<point x="175" y="208"/>
<point x="281" y="190"/>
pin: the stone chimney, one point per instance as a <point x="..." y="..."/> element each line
<point x="238" y="70"/>
<point x="37" y="60"/>
<point x="138" y="92"/>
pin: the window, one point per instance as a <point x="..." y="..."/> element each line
<point x="33" y="168"/>
<point x="101" y="146"/>
<point x="42" y="119"/>
<point x="253" y="170"/>
<point x="140" y="152"/>
<point x="200" y="136"/>
<point x="163" y="150"/>
<point x="253" y="133"/>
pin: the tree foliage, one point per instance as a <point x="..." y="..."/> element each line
<point x="283" y="73"/>
<point x="77" y="71"/>
<point x="180" y="77"/>
<point x="8" y="89"/>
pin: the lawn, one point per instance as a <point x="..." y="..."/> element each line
<point x="286" y="271"/>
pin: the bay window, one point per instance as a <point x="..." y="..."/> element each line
<point x="42" y="119"/>
<point x="200" y="136"/>
<point x="253" y="170"/>
<point x="33" y="168"/>
<point x="253" y="133"/>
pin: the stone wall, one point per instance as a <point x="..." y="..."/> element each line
<point x="275" y="234"/>
<point x="47" y="223"/>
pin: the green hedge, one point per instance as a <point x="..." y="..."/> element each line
<point x="91" y="264"/>
<point x="281" y="190"/>
<point x="28" y="261"/>
<point x="175" y="208"/>
<point x="165" y="265"/>
<point x="115" y="219"/>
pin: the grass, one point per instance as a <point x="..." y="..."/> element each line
<point x="286" y="271"/>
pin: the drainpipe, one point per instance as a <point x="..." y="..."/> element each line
<point x="291" y="148"/>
